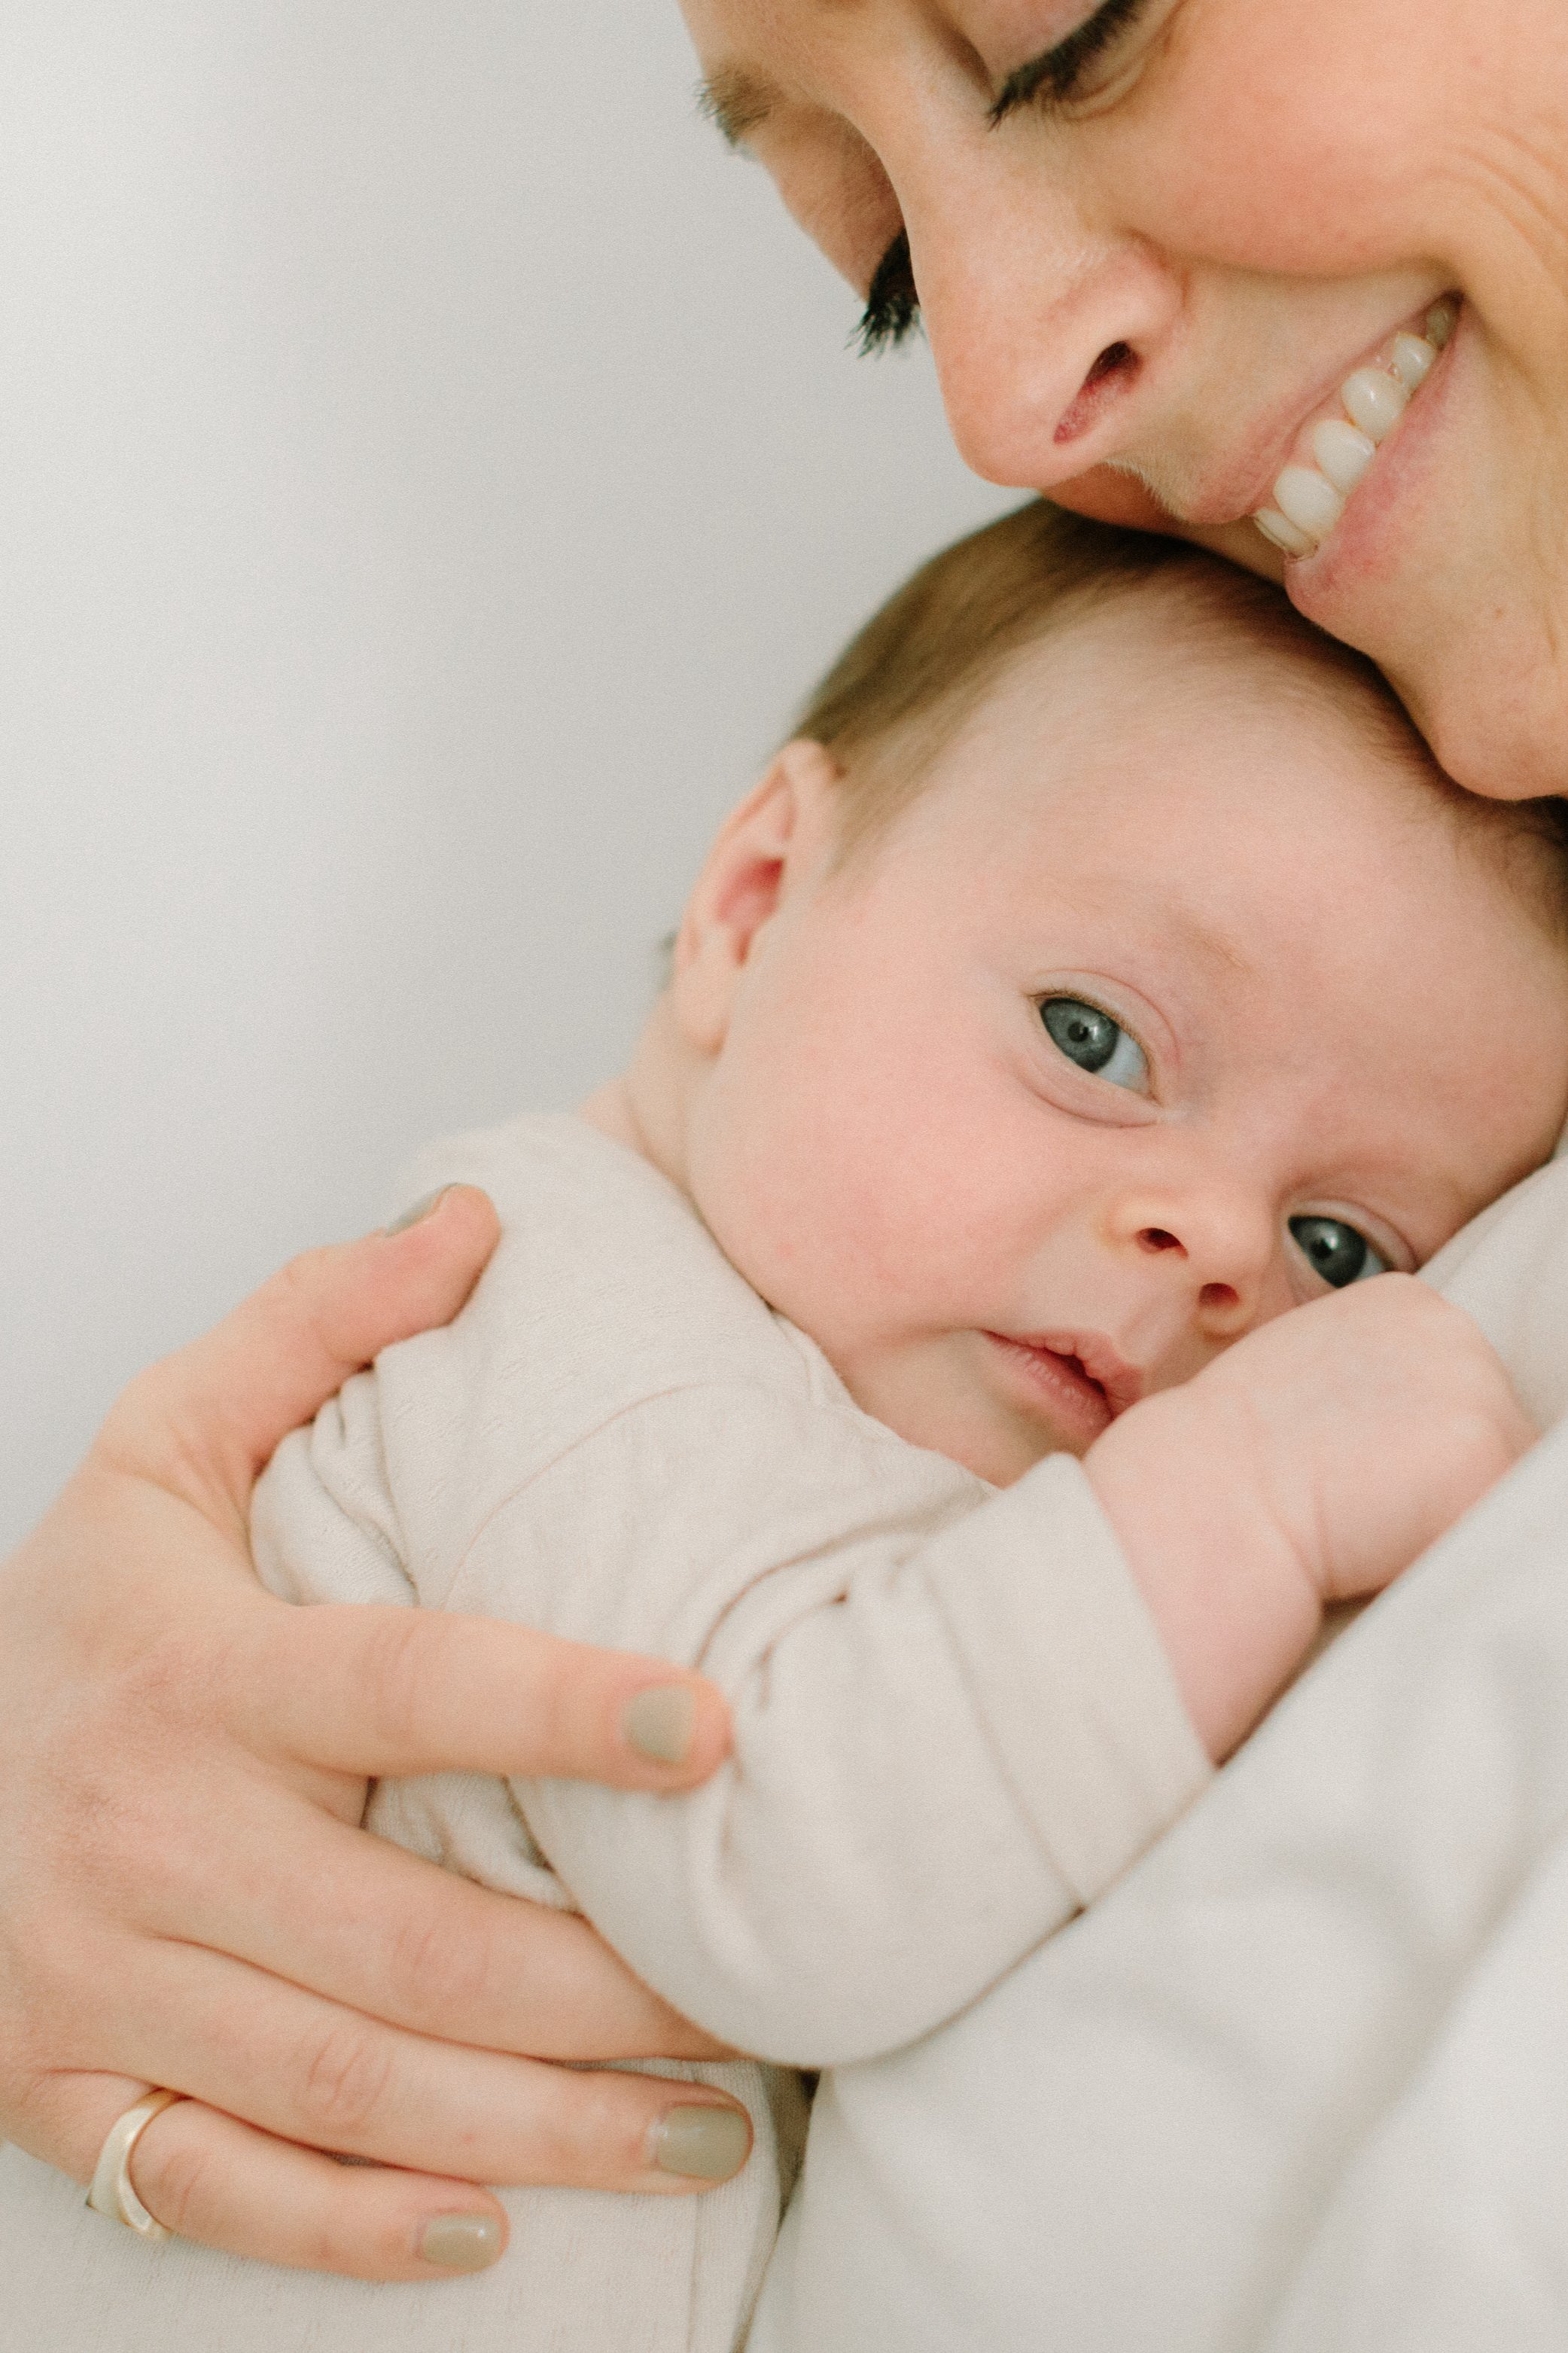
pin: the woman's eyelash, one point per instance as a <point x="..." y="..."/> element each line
<point x="893" y="309"/>
<point x="1057" y="76"/>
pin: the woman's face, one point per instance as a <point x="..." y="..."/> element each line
<point x="1146" y="274"/>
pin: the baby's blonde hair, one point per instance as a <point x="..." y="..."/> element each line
<point x="906" y="683"/>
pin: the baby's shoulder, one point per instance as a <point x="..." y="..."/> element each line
<point x="610" y="1354"/>
<point x="605" y="1286"/>
<point x="552" y="1175"/>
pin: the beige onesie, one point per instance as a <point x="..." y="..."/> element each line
<point x="954" y="1721"/>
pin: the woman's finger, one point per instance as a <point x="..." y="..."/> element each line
<point x="208" y="2177"/>
<point x="354" y="1690"/>
<point x="163" y="1826"/>
<point x="309" y="2071"/>
<point x="365" y="1690"/>
<point x="404" y="1940"/>
<point x="306" y="2071"/>
<point x="203" y="1422"/>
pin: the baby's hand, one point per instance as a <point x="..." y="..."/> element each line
<point x="1309" y="1463"/>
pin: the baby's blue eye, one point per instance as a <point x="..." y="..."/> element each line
<point x="1336" y="1250"/>
<point x="1095" y="1042"/>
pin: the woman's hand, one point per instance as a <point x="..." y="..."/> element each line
<point x="185" y="1897"/>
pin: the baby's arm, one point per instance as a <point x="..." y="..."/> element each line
<point x="954" y="1720"/>
<point x="945" y="1744"/>
<point x="1308" y="1465"/>
<point x="864" y="1863"/>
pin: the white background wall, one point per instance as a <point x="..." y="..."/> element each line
<point x="430" y="471"/>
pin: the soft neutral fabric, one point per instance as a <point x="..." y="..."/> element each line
<point x="954" y="1721"/>
<point x="953" y="1725"/>
<point x="1300" y="2083"/>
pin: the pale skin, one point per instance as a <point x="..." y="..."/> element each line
<point x="1340" y="1010"/>
<point x="1141" y="296"/>
<point x="1271" y="206"/>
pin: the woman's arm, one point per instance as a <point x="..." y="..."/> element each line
<point x="184" y="1897"/>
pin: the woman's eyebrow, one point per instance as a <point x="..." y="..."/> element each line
<point x="735" y="101"/>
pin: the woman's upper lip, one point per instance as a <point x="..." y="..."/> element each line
<point x="1121" y="1382"/>
<point x="1243" y="481"/>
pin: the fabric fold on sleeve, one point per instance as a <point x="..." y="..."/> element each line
<point x="1070" y="1678"/>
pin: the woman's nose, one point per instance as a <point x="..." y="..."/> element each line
<point x="1046" y="327"/>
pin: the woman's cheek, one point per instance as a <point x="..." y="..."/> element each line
<point x="1251" y="142"/>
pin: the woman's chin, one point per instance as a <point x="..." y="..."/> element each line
<point x="1440" y="570"/>
<point x="1489" y="700"/>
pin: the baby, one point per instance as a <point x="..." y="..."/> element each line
<point x="1101" y="972"/>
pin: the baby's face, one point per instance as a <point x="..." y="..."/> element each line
<point x="1168" y="1005"/>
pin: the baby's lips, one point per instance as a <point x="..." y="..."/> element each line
<point x="1122" y="1383"/>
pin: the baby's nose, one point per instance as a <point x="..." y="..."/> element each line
<point x="1154" y="1239"/>
<point x="1221" y="1305"/>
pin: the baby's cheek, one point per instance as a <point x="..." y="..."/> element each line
<point x="933" y="1391"/>
<point x="774" y="1182"/>
<point x="835" y="1251"/>
<point x="830" y="1160"/>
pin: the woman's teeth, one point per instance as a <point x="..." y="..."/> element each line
<point x="1375" y="400"/>
<point x="1309" y="499"/>
<point x="1342" y="452"/>
<point x="1414" y="355"/>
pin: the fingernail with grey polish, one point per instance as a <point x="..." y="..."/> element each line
<point x="705" y="2144"/>
<point x="461" y="2242"/>
<point x="657" y="1723"/>
<point x="421" y="1210"/>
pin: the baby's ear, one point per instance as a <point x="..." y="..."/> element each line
<point x="767" y="849"/>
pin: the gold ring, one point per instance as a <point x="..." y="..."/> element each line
<point x="112" y="2192"/>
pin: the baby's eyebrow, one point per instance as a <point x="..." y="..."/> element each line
<point x="736" y="101"/>
<point x="1197" y="933"/>
<point x="1217" y="947"/>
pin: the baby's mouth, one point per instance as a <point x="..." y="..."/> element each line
<point x="1339" y="446"/>
<point x="1081" y="1372"/>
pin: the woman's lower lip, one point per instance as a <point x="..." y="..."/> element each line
<point x="1076" y="1405"/>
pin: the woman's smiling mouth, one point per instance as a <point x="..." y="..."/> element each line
<point x="1338" y="446"/>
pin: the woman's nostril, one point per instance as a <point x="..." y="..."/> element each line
<point x="1155" y="1238"/>
<point x="1113" y="370"/>
<point x="1219" y="1298"/>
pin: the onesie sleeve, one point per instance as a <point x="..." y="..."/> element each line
<point x="954" y="1723"/>
<point x="323" y="1524"/>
